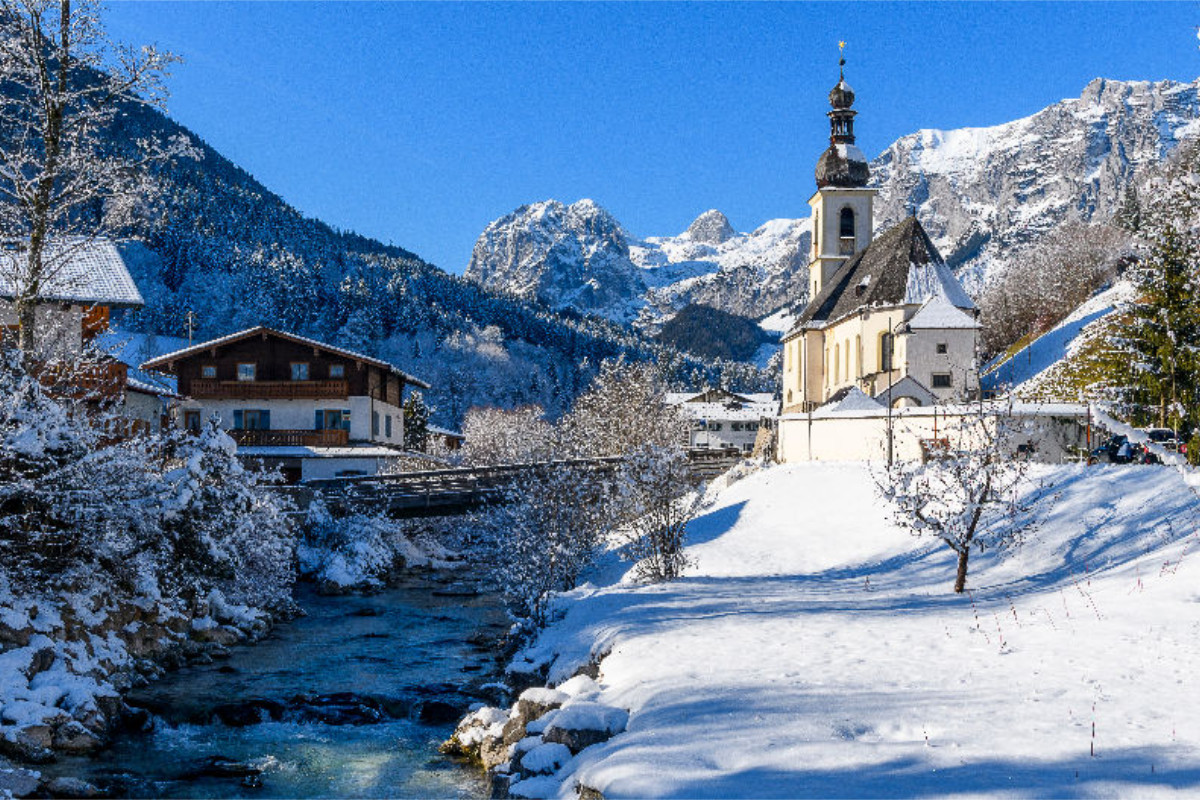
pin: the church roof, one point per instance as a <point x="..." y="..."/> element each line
<point x="901" y="267"/>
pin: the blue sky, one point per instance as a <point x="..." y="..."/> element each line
<point x="418" y="123"/>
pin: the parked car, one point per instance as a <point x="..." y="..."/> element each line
<point x="1119" y="450"/>
<point x="1165" y="437"/>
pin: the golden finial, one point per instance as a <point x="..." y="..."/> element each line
<point x="842" y="59"/>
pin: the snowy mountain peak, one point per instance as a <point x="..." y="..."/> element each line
<point x="711" y="227"/>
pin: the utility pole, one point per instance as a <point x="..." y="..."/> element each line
<point x="190" y="321"/>
<point x="891" y="380"/>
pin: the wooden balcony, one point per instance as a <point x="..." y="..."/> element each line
<point x="291" y="438"/>
<point x="207" y="389"/>
<point x="98" y="381"/>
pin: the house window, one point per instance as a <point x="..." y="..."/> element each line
<point x="886" y="342"/>
<point x="299" y="370"/>
<point x="941" y="380"/>
<point x="208" y="372"/>
<point x="714" y="426"/>
<point x="387" y="426"/>
<point x="252" y="419"/>
<point x="941" y="348"/>
<point x="191" y="421"/>
<point x="332" y="419"/>
<point x="247" y="372"/>
<point x="374" y="423"/>
<point x="337" y="371"/>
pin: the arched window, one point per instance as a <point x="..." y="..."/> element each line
<point x="849" y="374"/>
<point x="846" y="223"/>
<point x="837" y="363"/>
<point x="858" y="356"/>
<point x="885" y="352"/>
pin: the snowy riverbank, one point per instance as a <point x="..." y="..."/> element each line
<point x="815" y="650"/>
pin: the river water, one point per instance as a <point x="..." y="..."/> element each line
<point x="412" y="655"/>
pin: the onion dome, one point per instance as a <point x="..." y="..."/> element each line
<point x="843" y="164"/>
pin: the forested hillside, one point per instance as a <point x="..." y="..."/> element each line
<point x="217" y="243"/>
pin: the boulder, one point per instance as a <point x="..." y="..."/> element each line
<point x="533" y="704"/>
<point x="439" y="712"/>
<point x="74" y="737"/>
<point x="582" y="724"/>
<point x="248" y="712"/>
<point x="18" y="782"/>
<point x="545" y="759"/>
<point x="73" y="788"/>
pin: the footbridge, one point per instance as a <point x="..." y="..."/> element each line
<point x="450" y="492"/>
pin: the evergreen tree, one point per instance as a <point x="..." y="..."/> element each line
<point x="416" y="422"/>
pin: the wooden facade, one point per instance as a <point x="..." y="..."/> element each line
<point x="213" y="373"/>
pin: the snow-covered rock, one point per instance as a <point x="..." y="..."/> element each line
<point x="580" y="257"/>
<point x="982" y="192"/>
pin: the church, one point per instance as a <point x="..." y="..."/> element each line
<point x="886" y="315"/>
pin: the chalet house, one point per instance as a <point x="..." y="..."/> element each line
<point x="722" y="420"/>
<point x="886" y="315"/>
<point x="311" y="409"/>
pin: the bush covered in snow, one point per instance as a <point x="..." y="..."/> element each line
<point x="358" y="551"/>
<point x="658" y="499"/>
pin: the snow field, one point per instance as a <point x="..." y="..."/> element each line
<point x="815" y="650"/>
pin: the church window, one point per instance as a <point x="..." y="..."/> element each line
<point x="848" y="373"/>
<point x="846" y="223"/>
<point x="941" y="348"/>
<point x="941" y="380"/>
<point x="886" y="342"/>
<point x="858" y="356"/>
<point x="837" y="363"/>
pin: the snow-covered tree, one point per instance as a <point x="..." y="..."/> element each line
<point x="63" y="85"/>
<point x="416" y="422"/>
<point x="1161" y="337"/>
<point x="545" y="532"/>
<point x="625" y="408"/>
<point x="219" y="526"/>
<point x="657" y="494"/>
<point x="498" y="436"/>
<point x="967" y="492"/>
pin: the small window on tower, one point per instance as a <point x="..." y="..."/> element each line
<point x="941" y="381"/>
<point x="941" y="348"/>
<point x="846" y="223"/>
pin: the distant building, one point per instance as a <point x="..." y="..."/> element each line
<point x="86" y="280"/>
<point x="311" y="409"/>
<point x="886" y="316"/>
<point x="722" y="420"/>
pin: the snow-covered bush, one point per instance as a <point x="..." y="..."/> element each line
<point x="656" y="494"/>
<point x="546" y="531"/>
<point x="219" y="526"/>
<point x="358" y="550"/>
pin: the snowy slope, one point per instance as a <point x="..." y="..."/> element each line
<point x="824" y="654"/>
<point x="1033" y="364"/>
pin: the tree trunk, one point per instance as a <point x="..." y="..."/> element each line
<point x="960" y="582"/>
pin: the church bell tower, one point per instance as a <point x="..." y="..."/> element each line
<point x="843" y="206"/>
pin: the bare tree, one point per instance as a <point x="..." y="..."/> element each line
<point x="63" y="85"/>
<point x="966" y="493"/>
<point x="506" y="436"/>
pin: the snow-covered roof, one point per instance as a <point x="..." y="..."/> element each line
<point x="135" y="385"/>
<point x="854" y="401"/>
<point x="938" y="312"/>
<point x="297" y="451"/>
<point x="440" y="431"/>
<point x="721" y="411"/>
<point x="82" y="271"/>
<point x="164" y="362"/>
